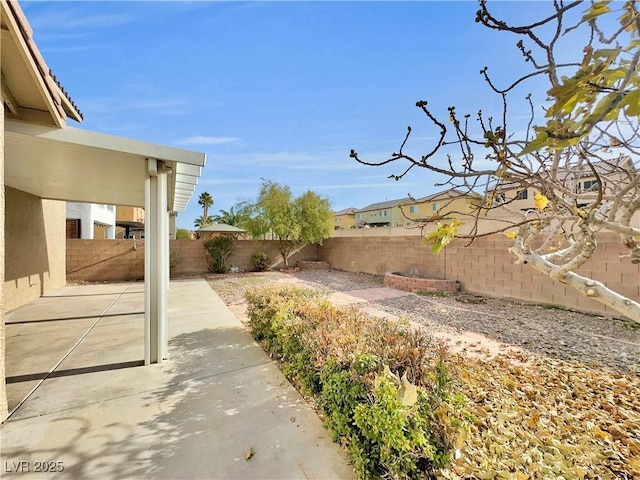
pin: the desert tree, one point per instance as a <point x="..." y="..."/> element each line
<point x="292" y="221"/>
<point x="585" y="126"/>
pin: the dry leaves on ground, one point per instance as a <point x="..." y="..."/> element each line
<point x="550" y="419"/>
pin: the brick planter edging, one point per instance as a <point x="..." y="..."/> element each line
<point x="307" y="264"/>
<point x="416" y="284"/>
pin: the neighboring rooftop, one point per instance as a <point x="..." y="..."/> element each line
<point x="386" y="204"/>
<point x="346" y="211"/>
<point x="447" y="194"/>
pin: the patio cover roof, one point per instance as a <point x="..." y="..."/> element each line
<point x="83" y="166"/>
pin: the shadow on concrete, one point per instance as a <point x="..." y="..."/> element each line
<point x="194" y="416"/>
<point x="73" y="371"/>
<point x="80" y="317"/>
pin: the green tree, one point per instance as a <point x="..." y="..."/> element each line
<point x="293" y="222"/>
<point x="250" y="220"/>
<point x="205" y="200"/>
<point x="584" y="125"/>
<point x="183" y="234"/>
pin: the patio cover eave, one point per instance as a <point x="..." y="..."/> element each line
<point x="84" y="166"/>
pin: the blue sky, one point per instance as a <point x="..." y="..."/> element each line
<point x="277" y="90"/>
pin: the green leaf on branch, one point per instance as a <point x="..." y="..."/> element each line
<point x="442" y="237"/>
<point x="597" y="9"/>
<point x="632" y="101"/>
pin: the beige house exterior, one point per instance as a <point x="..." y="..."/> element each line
<point x="382" y="214"/>
<point x="128" y="219"/>
<point x="450" y="203"/>
<point x="344" y="218"/>
<point x="584" y="183"/>
<point x="44" y="163"/>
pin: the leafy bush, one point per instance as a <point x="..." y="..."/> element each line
<point x="219" y="249"/>
<point x="405" y="410"/>
<point x="396" y="425"/>
<point x="261" y="261"/>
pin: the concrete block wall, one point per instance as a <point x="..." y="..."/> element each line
<point x="188" y="258"/>
<point x="123" y="259"/>
<point x="486" y="267"/>
<point x="379" y="255"/>
<point x="245" y="248"/>
<point x="105" y="260"/>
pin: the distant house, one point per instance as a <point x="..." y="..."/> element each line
<point x="382" y="214"/>
<point x="452" y="203"/>
<point x="519" y="197"/>
<point x="91" y="220"/>
<point x="344" y="218"/>
<point x="129" y="222"/>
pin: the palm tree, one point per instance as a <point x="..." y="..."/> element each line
<point x="206" y="200"/>
<point x="230" y="217"/>
<point x="203" y="221"/>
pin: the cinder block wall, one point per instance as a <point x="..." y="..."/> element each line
<point x="485" y="267"/>
<point x="245" y="248"/>
<point x="105" y="260"/>
<point x="123" y="259"/>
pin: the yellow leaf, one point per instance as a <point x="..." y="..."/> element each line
<point x="407" y="393"/>
<point x="540" y="201"/>
<point x="511" y="234"/>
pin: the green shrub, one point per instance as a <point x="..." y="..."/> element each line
<point x="183" y="234"/>
<point x="261" y="261"/>
<point x="219" y="249"/>
<point x="383" y="387"/>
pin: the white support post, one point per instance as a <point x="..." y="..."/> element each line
<point x="163" y="264"/>
<point x="150" y="186"/>
<point x="155" y="290"/>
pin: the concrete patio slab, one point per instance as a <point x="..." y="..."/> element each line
<point x="193" y="416"/>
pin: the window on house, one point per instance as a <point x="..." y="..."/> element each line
<point x="385" y="213"/>
<point x="358" y="216"/>
<point x="434" y="207"/>
<point x="413" y="209"/>
<point x="590" y="185"/>
<point x="522" y="195"/>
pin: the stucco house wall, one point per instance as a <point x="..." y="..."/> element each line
<point x="344" y="220"/>
<point x="391" y="215"/>
<point x="442" y="206"/>
<point x="34" y="247"/>
<point x="91" y="214"/>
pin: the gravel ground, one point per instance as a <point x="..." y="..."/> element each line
<point x="594" y="340"/>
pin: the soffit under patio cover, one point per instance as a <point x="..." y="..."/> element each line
<point x="83" y="166"/>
